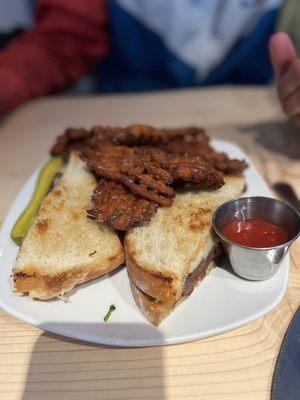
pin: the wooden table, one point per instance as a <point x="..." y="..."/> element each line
<point x="237" y="365"/>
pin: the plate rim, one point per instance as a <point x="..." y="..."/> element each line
<point x="162" y="341"/>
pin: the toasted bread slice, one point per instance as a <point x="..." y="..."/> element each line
<point x="64" y="248"/>
<point x="155" y="310"/>
<point x="168" y="257"/>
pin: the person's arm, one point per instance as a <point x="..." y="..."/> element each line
<point x="287" y="72"/>
<point x="68" y="38"/>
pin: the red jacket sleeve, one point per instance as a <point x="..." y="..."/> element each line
<point x="68" y="38"/>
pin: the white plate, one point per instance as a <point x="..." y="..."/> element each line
<point x="220" y="303"/>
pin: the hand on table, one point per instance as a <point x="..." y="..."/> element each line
<point x="287" y="72"/>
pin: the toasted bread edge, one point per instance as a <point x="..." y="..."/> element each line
<point x="163" y="287"/>
<point x="156" y="311"/>
<point x="45" y="287"/>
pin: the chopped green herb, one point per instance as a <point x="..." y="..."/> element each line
<point x="119" y="214"/>
<point x="91" y="254"/>
<point x="108" y="314"/>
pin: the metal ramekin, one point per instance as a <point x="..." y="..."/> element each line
<point x="252" y="262"/>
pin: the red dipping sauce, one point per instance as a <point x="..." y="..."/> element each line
<point x="255" y="233"/>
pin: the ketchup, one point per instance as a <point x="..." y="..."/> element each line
<point x="255" y="233"/>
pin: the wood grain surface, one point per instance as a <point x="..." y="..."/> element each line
<point x="35" y="365"/>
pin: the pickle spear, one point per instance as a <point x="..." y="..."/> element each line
<point x="43" y="185"/>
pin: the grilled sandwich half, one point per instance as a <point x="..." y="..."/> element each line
<point x="63" y="247"/>
<point x="167" y="258"/>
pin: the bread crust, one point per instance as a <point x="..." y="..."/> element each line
<point x="161" y="287"/>
<point x="164" y="285"/>
<point x="63" y="247"/>
<point x="152" y="310"/>
<point x="45" y="287"/>
<point x="165" y="288"/>
<point x="156" y="311"/>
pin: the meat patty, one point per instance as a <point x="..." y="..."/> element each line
<point x="133" y="135"/>
<point x="145" y="135"/>
<point x="191" y="146"/>
<point x="149" y="172"/>
<point x="139" y="167"/>
<point x="191" y="169"/>
<point x="72" y="139"/>
<point x="116" y="206"/>
<point x="188" y="141"/>
<point x="144" y="176"/>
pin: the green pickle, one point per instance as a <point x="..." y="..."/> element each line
<point x="43" y="185"/>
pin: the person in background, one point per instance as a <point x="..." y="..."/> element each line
<point x="285" y="61"/>
<point x="15" y="18"/>
<point x="138" y="45"/>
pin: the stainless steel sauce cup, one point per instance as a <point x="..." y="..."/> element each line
<point x="252" y="262"/>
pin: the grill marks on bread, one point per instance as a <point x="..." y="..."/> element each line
<point x="54" y="256"/>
